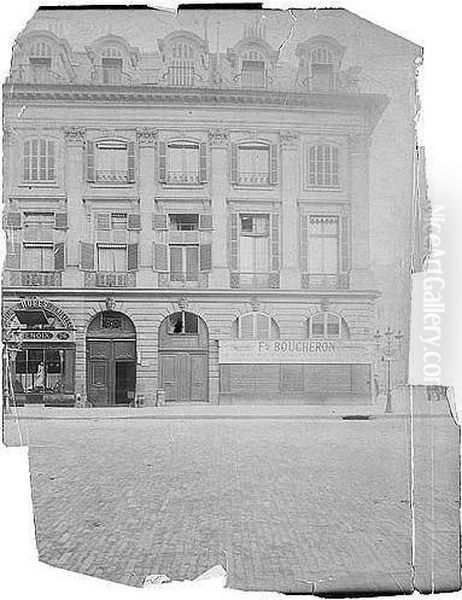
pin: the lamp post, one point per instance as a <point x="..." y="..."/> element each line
<point x="391" y="338"/>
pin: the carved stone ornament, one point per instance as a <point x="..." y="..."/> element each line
<point x="183" y="303"/>
<point x="146" y="136"/>
<point x="75" y="135"/>
<point x="110" y="303"/>
<point x="254" y="303"/>
<point x="289" y="139"/>
<point x="218" y="137"/>
<point x="325" y="304"/>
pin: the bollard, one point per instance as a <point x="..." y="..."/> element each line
<point x="160" y="398"/>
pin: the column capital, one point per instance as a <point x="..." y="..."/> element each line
<point x="8" y="133"/>
<point x="146" y="137"/>
<point x="289" y="139"/>
<point x="218" y="138"/>
<point x="75" y="135"/>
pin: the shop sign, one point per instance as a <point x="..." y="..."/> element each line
<point x="40" y="335"/>
<point x="293" y="351"/>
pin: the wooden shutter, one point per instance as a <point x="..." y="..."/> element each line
<point x="234" y="164"/>
<point x="345" y="245"/>
<point x="61" y="220"/>
<point x="206" y="257"/>
<point x="233" y="242"/>
<point x="304" y="241"/>
<point x="27" y="159"/>
<point x="134" y="221"/>
<point x="159" y="221"/>
<point x="12" y="220"/>
<point x="90" y="153"/>
<point x="274" y="236"/>
<point x="274" y="163"/>
<point x="162" y="157"/>
<point x="161" y="257"/>
<point x="13" y="255"/>
<point x="205" y="221"/>
<point x="131" y="162"/>
<point x="103" y="221"/>
<point x="132" y="259"/>
<point x="202" y="162"/>
<point x="59" y="257"/>
<point x="87" y="256"/>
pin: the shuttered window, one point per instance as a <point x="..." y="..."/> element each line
<point x="182" y="162"/>
<point x="112" y="257"/>
<point x="111" y="162"/>
<point x="39" y="161"/>
<point x="184" y="263"/>
<point x="323" y="168"/>
<point x="323" y="250"/>
<point x="38" y="256"/>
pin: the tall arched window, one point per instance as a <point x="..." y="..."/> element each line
<point x="39" y="161"/>
<point x="327" y="325"/>
<point x="323" y="166"/>
<point x="255" y="325"/>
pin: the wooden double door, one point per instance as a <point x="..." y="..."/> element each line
<point x="111" y="371"/>
<point x="184" y="375"/>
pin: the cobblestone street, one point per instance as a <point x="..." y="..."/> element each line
<point x="279" y="503"/>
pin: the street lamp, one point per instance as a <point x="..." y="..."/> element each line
<point x="391" y="339"/>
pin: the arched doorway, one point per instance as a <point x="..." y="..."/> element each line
<point x="111" y="359"/>
<point x="184" y="357"/>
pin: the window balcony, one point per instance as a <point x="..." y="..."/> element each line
<point x="183" y="237"/>
<point x="269" y="281"/>
<point x="254" y="178"/>
<point x="337" y="281"/>
<point x="32" y="278"/>
<point x="109" y="279"/>
<point x="183" y="177"/>
<point x="179" y="280"/>
<point x="111" y="176"/>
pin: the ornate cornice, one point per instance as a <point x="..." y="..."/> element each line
<point x="370" y="105"/>
<point x="146" y="137"/>
<point x="289" y="139"/>
<point x="218" y="138"/>
<point x="75" y="135"/>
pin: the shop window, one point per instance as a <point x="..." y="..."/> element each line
<point x="39" y="161"/>
<point x="40" y="370"/>
<point x="183" y="322"/>
<point x="323" y="169"/>
<point x="184" y="222"/>
<point x="255" y="325"/>
<point x="327" y="325"/>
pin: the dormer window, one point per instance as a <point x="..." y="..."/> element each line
<point x="40" y="55"/>
<point x="112" y="66"/>
<point x="253" y="73"/>
<point x="181" y="68"/>
<point x="322" y="70"/>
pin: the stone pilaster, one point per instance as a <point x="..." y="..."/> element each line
<point x="218" y="140"/>
<point x="76" y="215"/>
<point x="361" y="273"/>
<point x="290" y="272"/>
<point x="147" y="139"/>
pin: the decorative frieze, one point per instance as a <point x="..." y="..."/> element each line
<point x="146" y="137"/>
<point x="289" y="139"/>
<point x="218" y="138"/>
<point x="75" y="135"/>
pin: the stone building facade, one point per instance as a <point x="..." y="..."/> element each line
<point x="228" y="221"/>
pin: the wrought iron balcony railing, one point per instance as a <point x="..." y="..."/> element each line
<point x="182" y="75"/>
<point x="255" y="280"/>
<point x="179" y="280"/>
<point x="111" y="176"/>
<point x="328" y="281"/>
<point x="108" y="279"/>
<point x="33" y="278"/>
<point x="183" y="177"/>
<point x="253" y="178"/>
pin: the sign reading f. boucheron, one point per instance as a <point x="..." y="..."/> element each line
<point x="293" y="351"/>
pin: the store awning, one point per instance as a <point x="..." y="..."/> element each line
<point x="31" y="317"/>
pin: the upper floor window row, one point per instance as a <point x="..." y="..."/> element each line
<point x="183" y="162"/>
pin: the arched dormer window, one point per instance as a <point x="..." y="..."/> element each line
<point x="40" y="54"/>
<point x="255" y="325"/>
<point x="112" y="65"/>
<point x="114" y="60"/>
<point x="327" y="325"/>
<point x="39" y="161"/>
<point x="320" y="60"/>
<point x="323" y="165"/>
<point x="184" y="56"/>
<point x="110" y="161"/>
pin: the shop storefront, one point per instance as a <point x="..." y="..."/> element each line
<point x="39" y="346"/>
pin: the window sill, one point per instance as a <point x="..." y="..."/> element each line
<point x="117" y="186"/>
<point x="39" y="184"/>
<point x="255" y="186"/>
<point x="176" y="186"/>
<point x="323" y="188"/>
